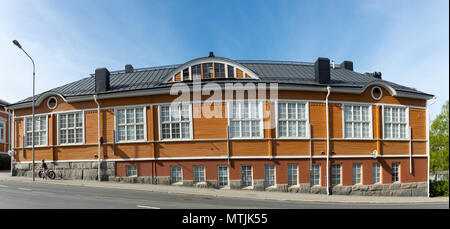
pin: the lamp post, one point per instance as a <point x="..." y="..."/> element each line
<point x="32" y="108"/>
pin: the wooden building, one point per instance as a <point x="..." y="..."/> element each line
<point x="216" y="122"/>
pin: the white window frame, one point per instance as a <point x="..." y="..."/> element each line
<point x="369" y="117"/>
<point x="83" y="128"/>
<point x="202" y="173"/>
<point x="134" y="171"/>
<point x="240" y="120"/>
<point x="270" y="172"/>
<point x="251" y="176"/>
<point x="3" y="131"/>
<point x="219" y="176"/>
<point x="312" y="177"/>
<point x="181" y="174"/>
<point x="336" y="172"/>
<point x="376" y="173"/>
<point x="355" y="176"/>
<point x="407" y="132"/>
<point x="116" y="123"/>
<point x="306" y="120"/>
<point x="25" y="132"/>
<point x="398" y="172"/>
<point x="191" y="131"/>
<point x="290" y="174"/>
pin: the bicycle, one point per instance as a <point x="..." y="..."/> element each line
<point x="50" y="174"/>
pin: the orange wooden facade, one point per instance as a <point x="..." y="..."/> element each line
<point x="210" y="138"/>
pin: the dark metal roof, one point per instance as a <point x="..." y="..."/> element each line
<point x="3" y="103"/>
<point x="284" y="72"/>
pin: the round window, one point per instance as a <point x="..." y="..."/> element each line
<point x="377" y="93"/>
<point x="52" y="102"/>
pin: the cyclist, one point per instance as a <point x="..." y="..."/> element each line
<point x="44" y="169"/>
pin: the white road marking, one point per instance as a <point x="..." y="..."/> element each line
<point x="3" y="186"/>
<point x="26" y="189"/>
<point x="149" y="207"/>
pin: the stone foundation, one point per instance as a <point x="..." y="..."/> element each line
<point x="88" y="171"/>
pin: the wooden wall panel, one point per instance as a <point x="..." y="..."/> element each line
<point x="249" y="148"/>
<point x="417" y="121"/>
<point x="291" y="148"/>
<point x="192" y="149"/>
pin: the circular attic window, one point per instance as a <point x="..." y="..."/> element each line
<point x="52" y="102"/>
<point x="377" y="93"/>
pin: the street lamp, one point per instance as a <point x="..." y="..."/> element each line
<point x="32" y="108"/>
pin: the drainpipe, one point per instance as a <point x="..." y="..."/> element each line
<point x="328" y="140"/>
<point x="98" y="131"/>
<point x="428" y="143"/>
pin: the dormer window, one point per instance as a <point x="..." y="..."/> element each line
<point x="210" y="68"/>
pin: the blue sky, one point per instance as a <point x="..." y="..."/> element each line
<point x="408" y="41"/>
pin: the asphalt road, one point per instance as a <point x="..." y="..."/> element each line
<point x="24" y="195"/>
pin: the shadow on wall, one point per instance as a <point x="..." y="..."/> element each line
<point x="5" y="162"/>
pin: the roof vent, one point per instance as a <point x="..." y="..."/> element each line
<point x="347" y="65"/>
<point x="322" y="70"/>
<point x="101" y="80"/>
<point x="377" y="75"/>
<point x="211" y="54"/>
<point x="129" y="68"/>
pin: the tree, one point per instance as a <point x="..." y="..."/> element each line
<point x="439" y="141"/>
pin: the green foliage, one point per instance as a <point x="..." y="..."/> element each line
<point x="439" y="141"/>
<point x="439" y="188"/>
<point x="5" y="163"/>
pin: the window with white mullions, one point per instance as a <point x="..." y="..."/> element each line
<point x="292" y="174"/>
<point x="245" y="120"/>
<point x="376" y="172"/>
<point x="40" y="131"/>
<point x="357" y="173"/>
<point x="395" y="122"/>
<point x="246" y="175"/>
<point x="336" y="174"/>
<point x="292" y="120"/>
<point x="199" y="174"/>
<point x="71" y="128"/>
<point x="2" y="131"/>
<point x="176" y="175"/>
<point x="357" y="121"/>
<point x="131" y="124"/>
<point x="175" y="121"/>
<point x="314" y="172"/>
<point x="222" y="175"/>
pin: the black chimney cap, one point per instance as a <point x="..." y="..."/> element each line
<point x="211" y="54"/>
<point x="347" y="65"/>
<point x="101" y="80"/>
<point x="129" y="68"/>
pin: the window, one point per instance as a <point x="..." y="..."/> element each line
<point x="52" y="102"/>
<point x="395" y="172"/>
<point x="292" y="120"/>
<point x="71" y="128"/>
<point x="131" y="170"/>
<point x="219" y="70"/>
<point x="207" y="71"/>
<point x="131" y="124"/>
<point x="40" y="131"/>
<point x="245" y="120"/>
<point x="230" y="71"/>
<point x="376" y="172"/>
<point x="196" y="71"/>
<point x="199" y="174"/>
<point x="377" y="93"/>
<point x="357" y="173"/>
<point x="246" y="175"/>
<point x="357" y="121"/>
<point x="315" y="174"/>
<point x="336" y="174"/>
<point x="175" y="122"/>
<point x="186" y="74"/>
<point x="176" y="174"/>
<point x="2" y="131"/>
<point x="269" y="175"/>
<point x="292" y="174"/>
<point x="222" y="175"/>
<point x="395" y="122"/>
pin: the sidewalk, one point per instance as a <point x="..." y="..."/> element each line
<point x="231" y="193"/>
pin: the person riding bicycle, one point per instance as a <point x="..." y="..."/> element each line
<point x="44" y="169"/>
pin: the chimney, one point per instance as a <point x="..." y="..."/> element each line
<point x="322" y="70"/>
<point x="211" y="54"/>
<point x="101" y="80"/>
<point x="129" y="68"/>
<point x="347" y="65"/>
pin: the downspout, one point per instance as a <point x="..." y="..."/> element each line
<point x="98" y="131"/>
<point x="428" y="143"/>
<point x="328" y="140"/>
